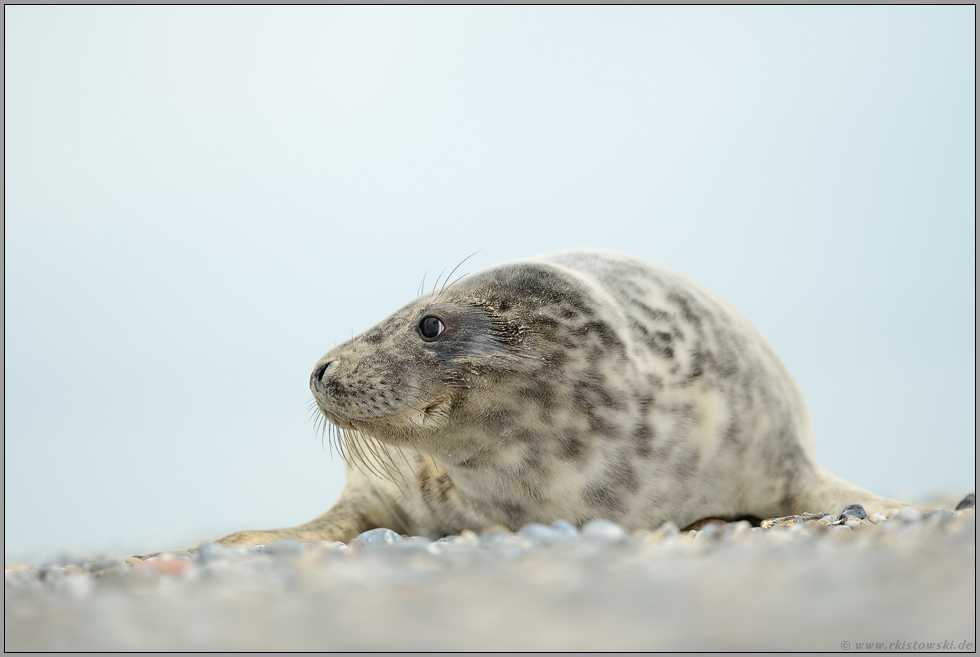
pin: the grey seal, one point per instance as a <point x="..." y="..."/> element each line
<point x="574" y="385"/>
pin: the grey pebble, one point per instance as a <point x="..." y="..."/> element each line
<point x="853" y="511"/>
<point x="108" y="566"/>
<point x="967" y="502"/>
<point x="215" y="552"/>
<point x="939" y="516"/>
<point x="559" y="532"/>
<point x="535" y="531"/>
<point x="376" y="537"/>
<point x="51" y="574"/>
<point x="906" y="515"/>
<point x="711" y="529"/>
<point x="175" y="554"/>
<point x="565" y="529"/>
<point x="418" y="539"/>
<point x="604" y="530"/>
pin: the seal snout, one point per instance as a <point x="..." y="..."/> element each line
<point x="318" y="380"/>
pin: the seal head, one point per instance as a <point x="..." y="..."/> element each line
<point x="451" y="373"/>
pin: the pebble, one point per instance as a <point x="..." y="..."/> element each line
<point x="471" y="577"/>
<point x="853" y="523"/>
<point x="604" y="530"/>
<point x="51" y="574"/>
<point x="853" y="511"/>
<point x="377" y="537"/>
<point x="785" y="521"/>
<point x="559" y="532"/>
<point x="158" y="566"/>
<point x="107" y="567"/>
<point x="968" y="502"/>
<point x="216" y="552"/>
<point x="466" y="538"/>
<point x="565" y="529"/>
<point x="938" y="516"/>
<point x="906" y="515"/>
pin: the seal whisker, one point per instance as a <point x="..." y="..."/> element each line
<point x="359" y="446"/>
<point x="334" y="435"/>
<point x="351" y="443"/>
<point x="437" y="281"/>
<point x="444" y="285"/>
<point x="368" y="452"/>
<point x="390" y="467"/>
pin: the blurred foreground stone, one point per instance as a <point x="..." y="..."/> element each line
<point x="809" y="582"/>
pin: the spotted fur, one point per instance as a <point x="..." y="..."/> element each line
<point x="575" y="385"/>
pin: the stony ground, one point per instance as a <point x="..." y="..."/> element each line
<point x="811" y="582"/>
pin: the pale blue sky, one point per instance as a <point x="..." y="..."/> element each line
<point x="201" y="201"/>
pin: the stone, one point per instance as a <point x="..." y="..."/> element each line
<point x="175" y="554"/>
<point x="107" y="566"/>
<point x="538" y="533"/>
<point x="905" y="515"/>
<point x="50" y="574"/>
<point x="215" y="552"/>
<point x="565" y="529"/>
<point x="853" y="511"/>
<point x="785" y="521"/>
<point x="560" y="531"/>
<point x="967" y="502"/>
<point x="496" y="529"/>
<point x="156" y="565"/>
<point x="604" y="530"/>
<point x="939" y="516"/>
<point x="378" y="537"/>
<point x="854" y="523"/>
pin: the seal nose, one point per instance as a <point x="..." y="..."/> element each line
<point x="317" y="379"/>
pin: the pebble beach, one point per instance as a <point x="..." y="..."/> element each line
<point x="847" y="582"/>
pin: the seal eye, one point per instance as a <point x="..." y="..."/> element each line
<point x="431" y="327"/>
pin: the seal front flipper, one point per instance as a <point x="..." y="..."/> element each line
<point x="359" y="508"/>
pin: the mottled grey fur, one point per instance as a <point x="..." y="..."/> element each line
<point x="575" y="385"/>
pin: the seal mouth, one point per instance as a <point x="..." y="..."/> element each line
<point x="431" y="416"/>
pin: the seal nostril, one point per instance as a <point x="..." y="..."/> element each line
<point x="317" y="378"/>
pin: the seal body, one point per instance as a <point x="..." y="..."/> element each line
<point x="574" y="385"/>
